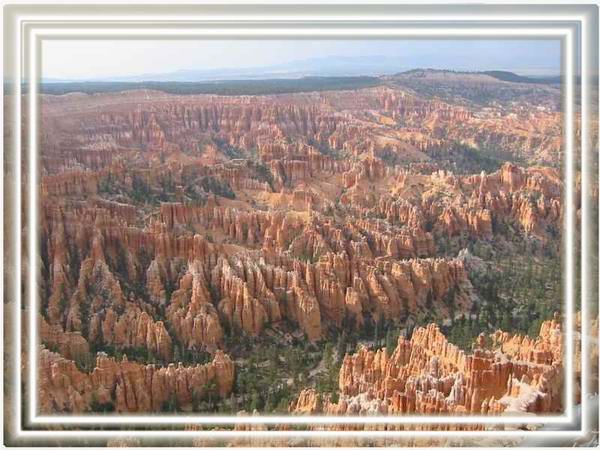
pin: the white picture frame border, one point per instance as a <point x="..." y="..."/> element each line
<point x="34" y="27"/>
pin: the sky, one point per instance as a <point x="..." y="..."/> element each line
<point x="108" y="59"/>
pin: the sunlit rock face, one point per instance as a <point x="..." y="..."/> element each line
<point x="426" y="374"/>
<point x="127" y="386"/>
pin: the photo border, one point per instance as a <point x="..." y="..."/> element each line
<point x="29" y="34"/>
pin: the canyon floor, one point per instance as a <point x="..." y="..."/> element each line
<point x="390" y="249"/>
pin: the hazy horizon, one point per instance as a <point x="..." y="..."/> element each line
<point x="132" y="60"/>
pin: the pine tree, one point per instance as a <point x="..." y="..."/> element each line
<point x="389" y="342"/>
<point x="256" y="401"/>
<point x="376" y="332"/>
<point x="506" y="324"/>
<point x="342" y="344"/>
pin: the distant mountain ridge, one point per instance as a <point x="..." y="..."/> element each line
<point x="502" y="75"/>
<point x="265" y="86"/>
<point x="514" y="78"/>
<point x="227" y="87"/>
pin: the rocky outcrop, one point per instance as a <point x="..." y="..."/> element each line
<point x="316" y="272"/>
<point x="132" y="328"/>
<point x="428" y="375"/>
<point x="369" y="169"/>
<point x="76" y="183"/>
<point x="191" y="312"/>
<point x="288" y="127"/>
<point x="545" y="349"/>
<point x="127" y="386"/>
<point x="70" y="344"/>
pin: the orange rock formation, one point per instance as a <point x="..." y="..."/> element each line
<point x="428" y="375"/>
<point x="128" y="386"/>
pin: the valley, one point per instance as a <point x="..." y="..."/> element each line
<point x="389" y="248"/>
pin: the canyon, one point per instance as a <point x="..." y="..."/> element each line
<point x="180" y="233"/>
